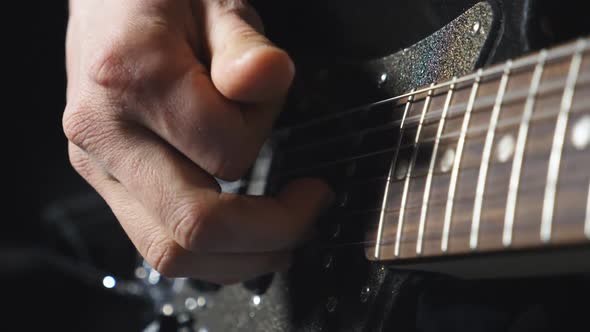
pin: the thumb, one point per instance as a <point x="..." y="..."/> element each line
<point x="245" y="66"/>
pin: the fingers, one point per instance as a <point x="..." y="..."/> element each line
<point x="163" y="253"/>
<point x="186" y="200"/>
<point x="237" y="223"/>
<point x="202" y="124"/>
<point x="245" y="67"/>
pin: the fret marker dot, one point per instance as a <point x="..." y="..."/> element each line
<point x="476" y="27"/>
<point x="581" y="133"/>
<point x="447" y="160"/>
<point x="505" y="148"/>
<point x="401" y="169"/>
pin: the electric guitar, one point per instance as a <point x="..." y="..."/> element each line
<point x="464" y="154"/>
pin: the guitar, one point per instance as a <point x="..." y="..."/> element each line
<point x="458" y="155"/>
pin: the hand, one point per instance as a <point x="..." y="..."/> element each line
<point x="163" y="94"/>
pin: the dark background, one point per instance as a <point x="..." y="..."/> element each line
<point x="53" y="258"/>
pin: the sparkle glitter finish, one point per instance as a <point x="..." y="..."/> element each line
<point x="451" y="51"/>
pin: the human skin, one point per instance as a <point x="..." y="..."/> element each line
<point x="165" y="95"/>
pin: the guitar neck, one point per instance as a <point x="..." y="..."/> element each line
<point x="496" y="160"/>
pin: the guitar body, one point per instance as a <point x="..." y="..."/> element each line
<point x="348" y="56"/>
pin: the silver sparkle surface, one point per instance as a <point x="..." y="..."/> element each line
<point x="451" y="51"/>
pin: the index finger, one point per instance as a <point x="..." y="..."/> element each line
<point x="239" y="223"/>
<point x="188" y="203"/>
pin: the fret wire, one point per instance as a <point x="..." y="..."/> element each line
<point x="461" y="233"/>
<point x="518" y="64"/>
<point x="558" y="142"/>
<point x="525" y="190"/>
<point x="456" y="164"/>
<point x="472" y="131"/>
<point x="440" y="203"/>
<point x="504" y="124"/>
<point x="587" y="223"/>
<point x="366" y="244"/>
<point x="400" y="222"/>
<point x="392" y="167"/>
<point x="485" y="159"/>
<point x="548" y="86"/>
<point x="428" y="183"/>
<point x="527" y="114"/>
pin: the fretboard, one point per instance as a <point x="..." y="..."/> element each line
<point x="495" y="160"/>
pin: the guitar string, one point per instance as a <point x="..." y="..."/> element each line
<point x="436" y="203"/>
<point x="529" y="188"/>
<point x="390" y="241"/>
<point x="357" y="181"/>
<point x="502" y="125"/>
<point x="462" y="232"/>
<point x="365" y="180"/>
<point x="495" y="72"/>
<point x="548" y="87"/>
<point x="427" y="237"/>
<point x="583" y="79"/>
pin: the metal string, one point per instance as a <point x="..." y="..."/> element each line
<point x="493" y="72"/>
<point x="483" y="103"/>
<point x="504" y="124"/>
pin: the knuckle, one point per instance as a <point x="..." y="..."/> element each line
<point x="163" y="256"/>
<point x="85" y="128"/>
<point x="110" y="68"/>
<point x="188" y="219"/>
<point x="232" y="166"/>
<point x="220" y="168"/>
<point x="247" y="33"/>
<point x="78" y="124"/>
<point x="80" y="162"/>
<point x="133" y="60"/>
<point x="241" y="8"/>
